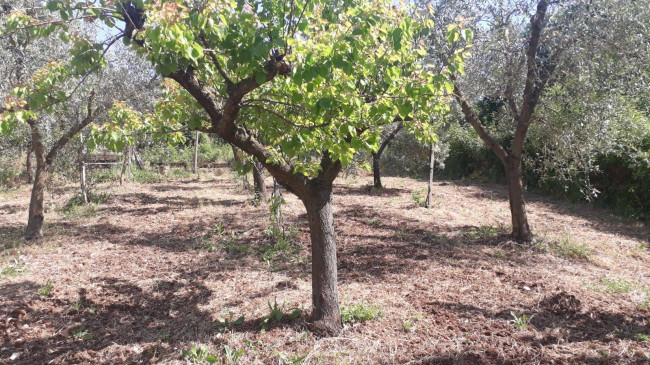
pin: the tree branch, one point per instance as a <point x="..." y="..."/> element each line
<point x="536" y="27"/>
<point x="389" y="138"/>
<point x="474" y="120"/>
<point x="90" y="116"/>
<point x="215" y="61"/>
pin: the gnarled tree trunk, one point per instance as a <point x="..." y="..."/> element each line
<point x="37" y="202"/>
<point x="43" y="165"/>
<point x="539" y="71"/>
<point x="28" y="165"/>
<point x="315" y="193"/>
<point x="258" y="181"/>
<point x="520" y="228"/>
<point x="326" y="315"/>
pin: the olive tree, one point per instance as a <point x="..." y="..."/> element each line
<point x="522" y="50"/>
<point x="56" y="98"/>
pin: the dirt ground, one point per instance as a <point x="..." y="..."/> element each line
<point x="156" y="269"/>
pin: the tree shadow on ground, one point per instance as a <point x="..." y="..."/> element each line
<point x="11" y="237"/>
<point x="11" y="208"/>
<point x="139" y="204"/>
<point x="369" y="190"/>
<point x="176" y="187"/>
<point x="537" y="356"/>
<point x="111" y="311"/>
<point x="552" y="328"/>
<point x="398" y="246"/>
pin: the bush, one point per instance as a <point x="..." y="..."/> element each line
<point x="622" y="179"/>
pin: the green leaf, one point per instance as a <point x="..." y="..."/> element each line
<point x="405" y="109"/>
<point x="396" y="38"/>
<point x="452" y="36"/>
<point x="325" y="103"/>
<point x="52" y="5"/>
<point x="260" y="77"/>
<point x="449" y="86"/>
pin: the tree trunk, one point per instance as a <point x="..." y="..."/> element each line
<point x="326" y="316"/>
<point x="125" y="162"/>
<point x="138" y="159"/>
<point x="258" y="181"/>
<point x="30" y="168"/>
<point x="37" y="202"/>
<point x="520" y="228"/>
<point x="195" y="162"/>
<point x="376" y="173"/>
<point x="84" y="186"/>
<point x="376" y="156"/>
<point x="432" y="160"/>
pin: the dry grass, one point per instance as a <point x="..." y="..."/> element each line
<point x="158" y="268"/>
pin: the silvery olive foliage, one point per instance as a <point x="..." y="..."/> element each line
<point x="123" y="75"/>
<point x="595" y="104"/>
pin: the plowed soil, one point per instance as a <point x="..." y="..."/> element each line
<point x="156" y="269"/>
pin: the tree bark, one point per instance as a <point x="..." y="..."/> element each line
<point x="125" y="162"/>
<point x="520" y="228"/>
<point x="138" y="159"/>
<point x="376" y="156"/>
<point x="37" y="202"/>
<point x="28" y="165"/>
<point x="376" y="173"/>
<point x="432" y="160"/>
<point x="326" y="315"/>
<point x="195" y="162"/>
<point x="258" y="181"/>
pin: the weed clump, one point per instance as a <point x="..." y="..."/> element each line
<point x="571" y="249"/>
<point x="360" y="313"/>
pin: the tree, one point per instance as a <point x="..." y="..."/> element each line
<point x="524" y="49"/>
<point x="57" y="95"/>
<point x="376" y="155"/>
<point x="539" y="70"/>
<point x="301" y="87"/>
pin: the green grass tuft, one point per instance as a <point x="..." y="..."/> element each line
<point x="360" y="313"/>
